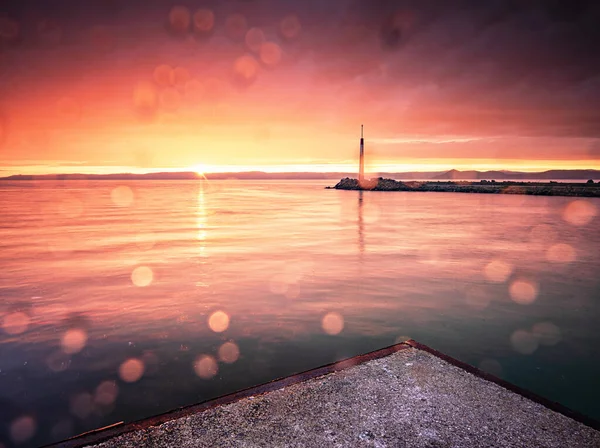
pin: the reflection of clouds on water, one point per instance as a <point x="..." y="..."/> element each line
<point x="288" y="281"/>
<point x="280" y="263"/>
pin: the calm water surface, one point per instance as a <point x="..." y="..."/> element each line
<point x="122" y="300"/>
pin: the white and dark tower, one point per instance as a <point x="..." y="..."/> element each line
<point x="361" y="166"/>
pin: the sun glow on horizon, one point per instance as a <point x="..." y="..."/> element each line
<point x="382" y="166"/>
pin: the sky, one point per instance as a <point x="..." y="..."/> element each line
<point x="281" y="85"/>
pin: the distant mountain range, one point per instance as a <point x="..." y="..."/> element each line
<point x="258" y="175"/>
<point x="518" y="175"/>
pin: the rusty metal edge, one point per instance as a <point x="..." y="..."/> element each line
<point x="100" y="435"/>
<point x="552" y="405"/>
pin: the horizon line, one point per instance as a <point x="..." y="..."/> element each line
<point x="290" y="173"/>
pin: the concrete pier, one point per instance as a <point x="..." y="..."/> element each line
<point x="530" y="188"/>
<point x="406" y="395"/>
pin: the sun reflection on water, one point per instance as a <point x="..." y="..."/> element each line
<point x="201" y="218"/>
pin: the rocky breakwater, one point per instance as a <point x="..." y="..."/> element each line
<point x="484" y="186"/>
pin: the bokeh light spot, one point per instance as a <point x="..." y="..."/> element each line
<point x="142" y="276"/>
<point x="402" y="338"/>
<point x="236" y="26"/>
<point x="15" y="323"/>
<point x="74" y="340"/>
<point x="106" y="393"/>
<point x="523" y="342"/>
<point x="546" y="333"/>
<point x="497" y="271"/>
<point x="168" y="118"/>
<point x="180" y="19"/>
<point x="58" y="361"/>
<point x="394" y="30"/>
<point x="180" y="76"/>
<point x="62" y="430"/>
<point x="523" y="291"/>
<point x="22" y="429"/>
<point x="194" y="91"/>
<point x="206" y="367"/>
<point x="491" y="366"/>
<point x="290" y="27"/>
<point x="215" y="89"/>
<point x="218" y="321"/>
<point x="478" y="297"/>
<point x="245" y="69"/>
<point x="170" y="99"/>
<point x="71" y="207"/>
<point x="229" y="352"/>
<point x="82" y="405"/>
<point x="163" y="75"/>
<point x="131" y="370"/>
<point x="332" y="323"/>
<point x="292" y="291"/>
<point x="254" y="39"/>
<point x="579" y="212"/>
<point x="270" y="53"/>
<point x="278" y="284"/>
<point x="561" y="253"/>
<point x="145" y="99"/>
<point x="122" y="196"/>
<point x="204" y="20"/>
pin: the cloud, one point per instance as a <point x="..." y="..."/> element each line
<point x="446" y="75"/>
<point x="426" y="140"/>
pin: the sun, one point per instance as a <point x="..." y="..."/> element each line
<point x="199" y="169"/>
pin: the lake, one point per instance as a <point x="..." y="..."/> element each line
<point x="120" y="300"/>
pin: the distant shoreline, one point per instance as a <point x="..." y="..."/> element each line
<point x="487" y="187"/>
<point x="452" y="175"/>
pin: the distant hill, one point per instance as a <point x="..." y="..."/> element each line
<point x="517" y="175"/>
<point x="259" y="175"/>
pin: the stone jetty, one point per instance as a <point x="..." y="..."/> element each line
<point x="530" y="188"/>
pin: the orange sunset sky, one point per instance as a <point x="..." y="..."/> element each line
<point x="280" y="85"/>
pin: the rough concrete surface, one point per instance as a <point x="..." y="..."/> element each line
<point x="408" y="399"/>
